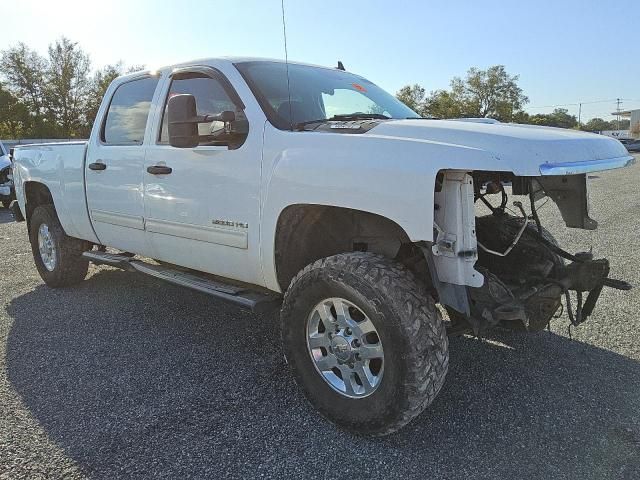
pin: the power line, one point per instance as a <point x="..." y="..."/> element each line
<point x="576" y="104"/>
<point x="582" y="109"/>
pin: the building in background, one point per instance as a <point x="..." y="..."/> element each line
<point x="634" y="121"/>
<point x="617" y="134"/>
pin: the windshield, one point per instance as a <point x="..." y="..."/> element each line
<point x="316" y="93"/>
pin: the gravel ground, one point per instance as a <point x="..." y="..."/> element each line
<point x="124" y="376"/>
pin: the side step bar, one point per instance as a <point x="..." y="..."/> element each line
<point x="256" y="301"/>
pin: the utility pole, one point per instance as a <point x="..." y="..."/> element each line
<point x="579" y="115"/>
<point x="618" y="103"/>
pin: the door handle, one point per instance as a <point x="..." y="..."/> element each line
<point x="97" y="166"/>
<point x="159" y="170"/>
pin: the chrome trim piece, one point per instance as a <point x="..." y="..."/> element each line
<point x="587" y="166"/>
<point x="257" y="300"/>
<point x="119" y="219"/>
<point x="220" y="235"/>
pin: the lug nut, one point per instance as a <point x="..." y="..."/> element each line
<point x="347" y="331"/>
<point x="355" y="343"/>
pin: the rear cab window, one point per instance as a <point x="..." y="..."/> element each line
<point x="128" y="113"/>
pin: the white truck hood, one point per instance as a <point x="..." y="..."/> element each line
<point x="551" y="151"/>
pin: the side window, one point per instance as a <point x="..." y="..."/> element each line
<point x="211" y="99"/>
<point x="128" y="112"/>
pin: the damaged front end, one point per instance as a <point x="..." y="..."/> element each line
<point x="505" y="268"/>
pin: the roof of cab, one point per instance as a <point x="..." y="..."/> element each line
<point x="213" y="60"/>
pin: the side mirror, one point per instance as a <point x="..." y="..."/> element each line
<point x="183" y="121"/>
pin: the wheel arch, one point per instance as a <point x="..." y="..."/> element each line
<point x="35" y="195"/>
<point x="308" y="232"/>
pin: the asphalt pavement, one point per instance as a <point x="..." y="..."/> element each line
<point x="127" y="377"/>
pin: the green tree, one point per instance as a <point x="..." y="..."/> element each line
<point x="67" y="86"/>
<point x="482" y="93"/>
<point x="15" y="120"/>
<point x="24" y="75"/>
<point x="443" y="104"/>
<point x="412" y="96"/>
<point x="558" y="118"/>
<point x="489" y="93"/>
<point x="57" y="96"/>
<point x="521" y="117"/>
<point x="596" y="124"/>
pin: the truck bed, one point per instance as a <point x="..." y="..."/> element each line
<point x="59" y="166"/>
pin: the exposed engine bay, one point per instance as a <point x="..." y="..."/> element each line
<point x="505" y="268"/>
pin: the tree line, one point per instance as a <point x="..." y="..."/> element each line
<point x="58" y="95"/>
<point x="492" y="93"/>
<point x="52" y="96"/>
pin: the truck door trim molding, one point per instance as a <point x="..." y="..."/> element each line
<point x="119" y="219"/>
<point x="218" y="234"/>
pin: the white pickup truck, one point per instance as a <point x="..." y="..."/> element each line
<point x="310" y="189"/>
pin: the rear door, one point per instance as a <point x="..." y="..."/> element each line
<point x="114" y="167"/>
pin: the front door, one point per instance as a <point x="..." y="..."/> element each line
<point x="202" y="203"/>
<point x="114" y="168"/>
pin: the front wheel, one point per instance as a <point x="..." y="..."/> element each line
<point x="57" y="256"/>
<point x="365" y="341"/>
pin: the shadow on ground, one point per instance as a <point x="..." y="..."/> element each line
<point x="5" y="215"/>
<point x="137" y="378"/>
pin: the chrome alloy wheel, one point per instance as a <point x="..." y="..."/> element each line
<point x="47" y="247"/>
<point x="345" y="347"/>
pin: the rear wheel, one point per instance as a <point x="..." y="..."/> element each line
<point x="57" y="256"/>
<point x="365" y="341"/>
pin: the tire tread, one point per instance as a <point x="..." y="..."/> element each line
<point x="72" y="267"/>
<point x="427" y="357"/>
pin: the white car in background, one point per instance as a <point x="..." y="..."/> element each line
<point x="7" y="193"/>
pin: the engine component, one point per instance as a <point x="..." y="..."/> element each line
<point x="515" y="240"/>
<point x="527" y="270"/>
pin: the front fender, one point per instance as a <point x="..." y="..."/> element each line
<point x="393" y="178"/>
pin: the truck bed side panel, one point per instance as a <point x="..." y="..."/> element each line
<point x="59" y="166"/>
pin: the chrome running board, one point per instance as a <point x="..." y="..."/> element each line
<point x="252" y="299"/>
